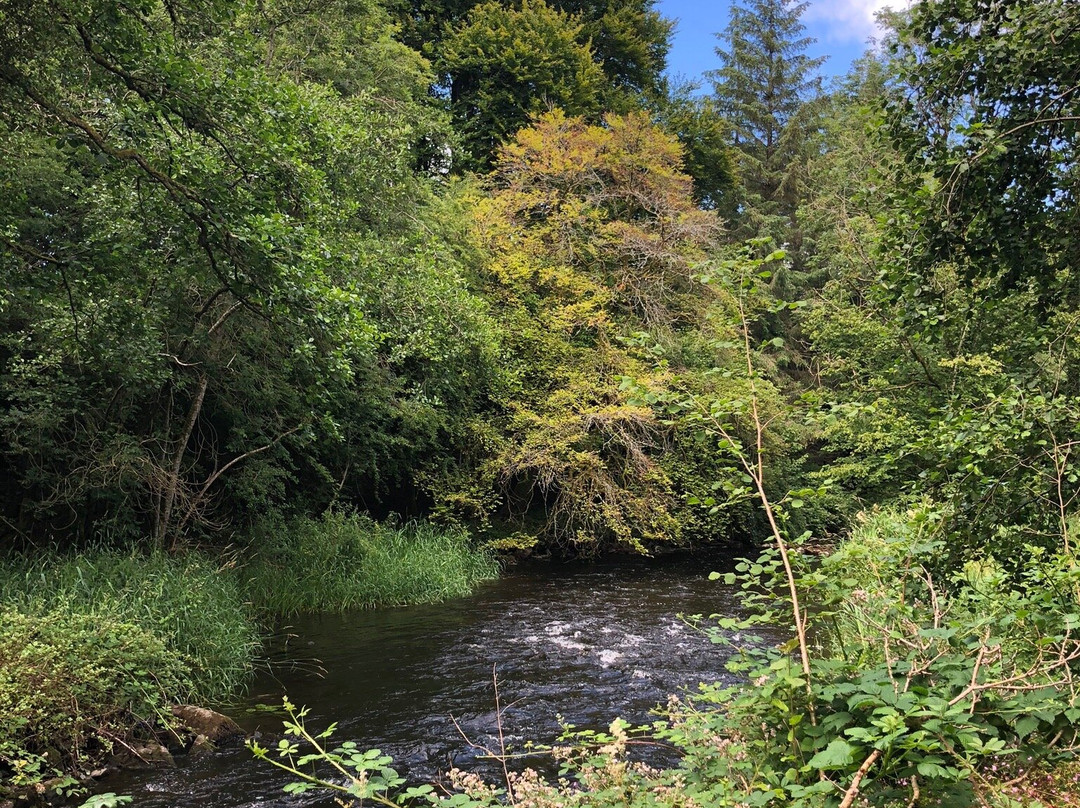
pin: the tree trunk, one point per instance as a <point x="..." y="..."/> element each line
<point x="173" y="486"/>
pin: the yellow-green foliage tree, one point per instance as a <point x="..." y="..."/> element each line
<point x="593" y="237"/>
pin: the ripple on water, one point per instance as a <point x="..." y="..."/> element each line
<point x="584" y="643"/>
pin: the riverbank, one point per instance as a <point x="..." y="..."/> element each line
<point x="349" y="561"/>
<point x="925" y="686"/>
<point x="96" y="647"/>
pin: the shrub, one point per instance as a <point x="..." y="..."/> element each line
<point x="70" y="683"/>
<point x="94" y="646"/>
<point x="194" y="608"/>
<point x="345" y="561"/>
<point x="920" y="687"/>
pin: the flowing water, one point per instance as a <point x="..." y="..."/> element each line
<point x="587" y="643"/>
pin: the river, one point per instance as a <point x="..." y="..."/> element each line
<point x="584" y="642"/>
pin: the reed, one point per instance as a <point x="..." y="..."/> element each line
<point x="347" y="561"/>
<point x="196" y="609"/>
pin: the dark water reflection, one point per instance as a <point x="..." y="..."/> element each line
<point x="587" y="643"/>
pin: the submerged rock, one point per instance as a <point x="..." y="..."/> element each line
<point x="216" y="728"/>
<point x="146" y="756"/>
<point x="200" y="746"/>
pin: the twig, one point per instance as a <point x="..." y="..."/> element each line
<point x="914" y="792"/>
<point x="853" y="789"/>
<point x="502" y="741"/>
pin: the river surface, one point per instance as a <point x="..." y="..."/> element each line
<point x="587" y="643"/>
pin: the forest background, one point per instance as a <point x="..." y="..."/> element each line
<point x="273" y="273"/>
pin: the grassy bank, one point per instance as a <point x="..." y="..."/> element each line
<point x="196" y="609"/>
<point x="94" y="647"/>
<point x="341" y="562"/>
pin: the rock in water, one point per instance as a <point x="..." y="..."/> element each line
<point x="200" y="746"/>
<point x="147" y="756"/>
<point x="217" y="728"/>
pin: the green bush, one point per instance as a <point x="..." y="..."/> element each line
<point x="345" y="561"/>
<point x="194" y="608"/>
<point x="71" y="683"/>
<point x="923" y="689"/>
<point x="94" y="647"/>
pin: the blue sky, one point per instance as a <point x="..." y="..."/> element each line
<point x="842" y="29"/>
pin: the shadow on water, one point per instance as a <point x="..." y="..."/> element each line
<point x="587" y="643"/>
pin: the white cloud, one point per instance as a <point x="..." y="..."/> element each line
<point x="848" y="20"/>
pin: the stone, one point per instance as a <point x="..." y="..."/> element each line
<point x="200" y="746"/>
<point x="146" y="756"/>
<point x="217" y="728"/>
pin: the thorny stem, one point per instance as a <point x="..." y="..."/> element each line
<point x="756" y="470"/>
<point x="853" y="789"/>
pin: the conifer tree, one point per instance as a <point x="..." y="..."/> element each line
<point x="768" y="90"/>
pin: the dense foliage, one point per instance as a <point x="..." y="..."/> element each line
<point x="205" y="303"/>
<point x="237" y="280"/>
<point x="95" y="646"/>
<point x="271" y="270"/>
<point x="71" y="684"/>
<point x="944" y="339"/>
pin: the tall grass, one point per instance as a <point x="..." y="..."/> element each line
<point x="195" y="609"/>
<point x="341" y="562"/>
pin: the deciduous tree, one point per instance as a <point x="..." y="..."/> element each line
<point x="593" y="236"/>
<point x="507" y="64"/>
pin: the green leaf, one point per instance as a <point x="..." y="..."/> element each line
<point x="1025" y="725"/>
<point x="839" y="754"/>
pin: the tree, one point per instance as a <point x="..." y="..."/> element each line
<point x="706" y="140"/>
<point x="768" y="90"/>
<point x="630" y="42"/>
<point x="507" y="64"/>
<point x="205" y="252"/>
<point x="593" y="236"/>
<point x="988" y="108"/>
<point x="855" y="351"/>
<point x="952" y="356"/>
<point x="629" y="39"/>
<point x="980" y="256"/>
